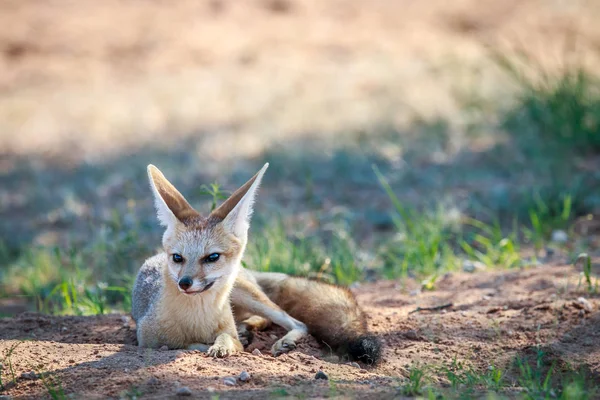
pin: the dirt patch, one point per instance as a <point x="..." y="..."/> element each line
<point x="494" y="317"/>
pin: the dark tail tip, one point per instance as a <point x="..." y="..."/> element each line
<point x="366" y="348"/>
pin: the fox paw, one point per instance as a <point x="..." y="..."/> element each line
<point x="283" y="346"/>
<point x="245" y="335"/>
<point x="220" y="351"/>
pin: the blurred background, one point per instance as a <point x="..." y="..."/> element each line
<point x="406" y="138"/>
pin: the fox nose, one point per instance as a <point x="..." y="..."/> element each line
<point x="186" y="282"/>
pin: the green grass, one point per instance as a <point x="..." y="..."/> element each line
<point x="560" y="108"/>
<point x="415" y="383"/>
<point x="422" y="242"/>
<point x="465" y="379"/>
<point x="538" y="380"/>
<point x="490" y="245"/>
<point x="215" y="192"/>
<point x="554" y="124"/>
<point x="62" y="282"/>
<point x="426" y="244"/>
<point x="429" y="243"/>
<point x="586" y="261"/>
<point x="81" y="279"/>
<point x="301" y="254"/>
<point x="53" y="385"/>
<point x="526" y="379"/>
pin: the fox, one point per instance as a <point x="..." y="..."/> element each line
<point x="195" y="294"/>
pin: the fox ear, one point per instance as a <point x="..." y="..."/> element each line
<point x="170" y="205"/>
<point x="235" y="212"/>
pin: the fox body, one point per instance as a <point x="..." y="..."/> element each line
<point x="196" y="295"/>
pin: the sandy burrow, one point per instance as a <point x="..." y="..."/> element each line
<point x="494" y="317"/>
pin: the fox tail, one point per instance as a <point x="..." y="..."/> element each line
<point x="330" y="313"/>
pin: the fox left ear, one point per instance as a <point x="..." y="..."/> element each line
<point x="171" y="206"/>
<point x="236" y="211"/>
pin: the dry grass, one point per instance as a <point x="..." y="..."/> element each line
<point x="85" y="79"/>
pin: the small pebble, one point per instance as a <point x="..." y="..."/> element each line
<point x="472" y="266"/>
<point x="411" y="334"/>
<point x="321" y="375"/>
<point x="183" y="391"/>
<point x="244" y="376"/>
<point x="587" y="306"/>
<point x="29" y="375"/>
<point x="152" y="381"/>
<point x="559" y="236"/>
<point x="256" y="352"/>
<point x="567" y="338"/>
<point x="273" y="337"/>
<point x="468" y="266"/>
<point x="229" y="381"/>
<point x="355" y="365"/>
<point x="164" y="348"/>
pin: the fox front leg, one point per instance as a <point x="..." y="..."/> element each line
<point x="225" y="345"/>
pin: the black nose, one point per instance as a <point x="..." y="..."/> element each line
<point x="186" y="282"/>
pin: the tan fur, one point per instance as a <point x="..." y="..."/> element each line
<point x="201" y="314"/>
<point x="330" y="312"/>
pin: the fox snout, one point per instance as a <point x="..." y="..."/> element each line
<point x="186" y="282"/>
<point x="186" y="285"/>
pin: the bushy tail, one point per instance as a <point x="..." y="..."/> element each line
<point x="366" y="348"/>
<point x="330" y="312"/>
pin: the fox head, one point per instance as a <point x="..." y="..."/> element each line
<point x="203" y="252"/>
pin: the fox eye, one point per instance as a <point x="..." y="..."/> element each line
<point x="212" y="257"/>
<point x="177" y="258"/>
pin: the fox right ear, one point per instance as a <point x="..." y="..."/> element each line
<point x="235" y="212"/>
<point x="170" y="205"/>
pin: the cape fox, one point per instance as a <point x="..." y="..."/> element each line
<point x="196" y="295"/>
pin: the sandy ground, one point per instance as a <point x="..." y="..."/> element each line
<point x="494" y="317"/>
